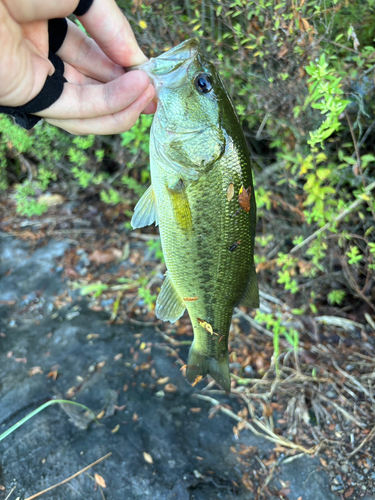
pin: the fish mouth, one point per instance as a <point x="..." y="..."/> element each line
<point x="169" y="69"/>
<point x="174" y="58"/>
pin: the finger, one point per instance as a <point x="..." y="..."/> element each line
<point x="77" y="78"/>
<point x="89" y="101"/>
<point x="24" y="11"/>
<point x="111" y="30"/>
<point x="87" y="57"/>
<point x="24" y="70"/>
<point x="150" y="109"/>
<point x="110" y="124"/>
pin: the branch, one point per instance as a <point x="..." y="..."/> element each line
<point x="346" y="212"/>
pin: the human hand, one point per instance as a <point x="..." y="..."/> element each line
<point x="99" y="97"/>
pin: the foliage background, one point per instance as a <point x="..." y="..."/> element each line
<point x="301" y="74"/>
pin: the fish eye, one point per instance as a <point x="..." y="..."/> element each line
<point x="203" y="83"/>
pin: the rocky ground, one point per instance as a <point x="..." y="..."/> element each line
<point x="48" y="352"/>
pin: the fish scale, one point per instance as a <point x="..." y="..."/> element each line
<point x="197" y="150"/>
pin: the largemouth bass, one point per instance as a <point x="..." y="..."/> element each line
<point x="203" y="199"/>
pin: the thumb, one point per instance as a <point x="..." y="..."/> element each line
<point x="23" y="68"/>
<point x="36" y="32"/>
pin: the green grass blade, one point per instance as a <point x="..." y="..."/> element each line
<point x="39" y="409"/>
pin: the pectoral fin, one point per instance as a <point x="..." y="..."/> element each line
<point x="184" y="171"/>
<point x="191" y="154"/>
<point x="251" y="296"/>
<point x="145" y="212"/>
<point x="169" y="305"/>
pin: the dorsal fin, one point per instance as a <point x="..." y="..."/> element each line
<point x="250" y="298"/>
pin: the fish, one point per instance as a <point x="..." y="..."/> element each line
<point x="202" y="197"/>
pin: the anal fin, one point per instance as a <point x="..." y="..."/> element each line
<point x="169" y="305"/>
<point x="251" y="296"/>
<point x="145" y="212"/>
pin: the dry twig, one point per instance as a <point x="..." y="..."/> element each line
<point x="253" y="322"/>
<point x="366" y="440"/>
<point x="341" y="410"/>
<point x="11" y="492"/>
<point x="266" y="434"/>
<point x="69" y="478"/>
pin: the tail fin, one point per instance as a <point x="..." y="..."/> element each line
<point x="201" y="364"/>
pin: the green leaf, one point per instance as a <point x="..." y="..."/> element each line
<point x="366" y="159"/>
<point x="96" y="288"/>
<point x="323" y="173"/>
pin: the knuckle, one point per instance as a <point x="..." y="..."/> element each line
<point x="84" y="49"/>
<point x="80" y="100"/>
<point x="106" y="96"/>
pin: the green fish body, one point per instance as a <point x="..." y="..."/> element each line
<point x="202" y="197"/>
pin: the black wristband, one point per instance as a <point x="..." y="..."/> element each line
<point x="52" y="90"/>
<point x="58" y="63"/>
<point x="83" y="7"/>
<point x="57" y="30"/>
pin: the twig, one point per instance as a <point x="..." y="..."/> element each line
<point x="359" y="164"/>
<point x="271" y="298"/>
<point x="367" y="438"/>
<point x="261" y="463"/>
<point x="101" y="492"/>
<point x="292" y="458"/>
<point x="11" y="492"/>
<point x="368" y="131"/>
<point x="364" y="356"/>
<point x="262" y="125"/>
<point x="144" y="236"/>
<point x="209" y="385"/>
<point x="270" y="436"/>
<point x="171" y="340"/>
<point x="340" y="409"/>
<point x="274" y="386"/>
<point x="236" y="392"/>
<point x="121" y="170"/>
<point x="253" y="322"/>
<point x="350" y="377"/>
<point x="141" y="323"/>
<point x="346" y="212"/>
<point x="273" y="251"/>
<point x="370" y="321"/>
<point x="160" y="268"/>
<point x="96" y="485"/>
<point x="341" y="46"/>
<point x="26" y="164"/>
<point x="254" y="157"/>
<point x="172" y="352"/>
<point x="368" y="70"/>
<point x="352" y="282"/>
<point x="356" y="148"/>
<point x="70" y="478"/>
<point x="346" y="324"/>
<point x="247" y="381"/>
<point x="268" y="171"/>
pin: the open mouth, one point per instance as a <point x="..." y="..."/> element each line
<point x="171" y="61"/>
<point x="174" y="58"/>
